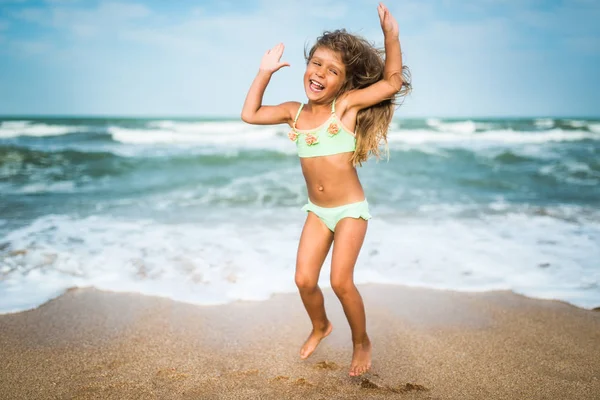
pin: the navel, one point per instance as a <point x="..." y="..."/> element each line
<point x="320" y="188"/>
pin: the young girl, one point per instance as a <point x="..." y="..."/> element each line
<point x="351" y="94"/>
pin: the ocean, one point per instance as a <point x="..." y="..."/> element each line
<point x="207" y="211"/>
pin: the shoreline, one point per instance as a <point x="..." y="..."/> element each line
<point x="429" y="344"/>
<point x="466" y="292"/>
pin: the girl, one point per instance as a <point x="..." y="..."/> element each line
<point x="350" y="105"/>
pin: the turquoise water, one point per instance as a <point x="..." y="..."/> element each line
<point x="207" y="211"/>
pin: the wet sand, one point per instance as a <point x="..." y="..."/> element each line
<point x="428" y="344"/>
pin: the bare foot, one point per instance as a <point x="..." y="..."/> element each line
<point x="314" y="339"/>
<point x="361" y="358"/>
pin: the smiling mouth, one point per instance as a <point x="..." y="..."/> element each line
<point x="315" y="86"/>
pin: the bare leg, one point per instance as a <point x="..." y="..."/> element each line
<point x="349" y="237"/>
<point x="314" y="245"/>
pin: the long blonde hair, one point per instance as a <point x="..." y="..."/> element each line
<point x="364" y="66"/>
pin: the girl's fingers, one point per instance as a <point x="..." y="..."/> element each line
<point x="271" y="59"/>
<point x="279" y="49"/>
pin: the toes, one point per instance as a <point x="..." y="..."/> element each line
<point x="304" y="353"/>
<point x="358" y="370"/>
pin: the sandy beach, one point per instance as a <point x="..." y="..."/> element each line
<point x="428" y="344"/>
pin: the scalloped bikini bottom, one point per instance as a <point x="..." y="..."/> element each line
<point x="332" y="215"/>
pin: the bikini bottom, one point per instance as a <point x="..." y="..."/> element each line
<point x="332" y="215"/>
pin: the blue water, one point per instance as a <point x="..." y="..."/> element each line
<point x="208" y="211"/>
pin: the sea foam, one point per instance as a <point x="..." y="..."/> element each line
<point x="252" y="257"/>
<point x="9" y="129"/>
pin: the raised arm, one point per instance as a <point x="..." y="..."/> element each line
<point x="392" y="73"/>
<point x="253" y="111"/>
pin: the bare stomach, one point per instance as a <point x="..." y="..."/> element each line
<point x="332" y="181"/>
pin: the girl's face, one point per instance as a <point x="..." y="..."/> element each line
<point x="325" y="74"/>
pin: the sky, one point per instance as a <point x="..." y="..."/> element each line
<point x="468" y="58"/>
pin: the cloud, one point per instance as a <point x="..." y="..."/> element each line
<point x="189" y="31"/>
<point x="206" y="51"/>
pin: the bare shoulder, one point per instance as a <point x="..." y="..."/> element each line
<point x="291" y="107"/>
<point x="344" y="110"/>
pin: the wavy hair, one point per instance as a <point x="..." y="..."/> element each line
<point x="364" y="66"/>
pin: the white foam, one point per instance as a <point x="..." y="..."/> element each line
<point x="237" y="135"/>
<point x="46" y="187"/>
<point x="456" y="127"/>
<point x="187" y="262"/>
<point x="9" y="129"/>
<point x="545" y="123"/>
<point x="576" y="123"/>
<point x="250" y="256"/>
<point x="594" y="128"/>
<point x="208" y="127"/>
<point x="234" y="137"/>
<point x="223" y="135"/>
<point x="167" y="136"/>
<point x="500" y="137"/>
<point x="571" y="171"/>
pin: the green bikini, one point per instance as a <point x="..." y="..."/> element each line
<point x="328" y="139"/>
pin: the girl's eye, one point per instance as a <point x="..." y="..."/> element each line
<point x="316" y="63"/>
<point x="333" y="71"/>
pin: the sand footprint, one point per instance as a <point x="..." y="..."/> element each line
<point x="407" y="387"/>
<point x="330" y="365"/>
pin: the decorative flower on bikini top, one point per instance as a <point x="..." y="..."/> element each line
<point x="333" y="129"/>
<point x="293" y="135"/>
<point x="311" y="139"/>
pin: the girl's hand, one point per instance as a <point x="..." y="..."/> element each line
<point x="389" y="25"/>
<point x="270" y="61"/>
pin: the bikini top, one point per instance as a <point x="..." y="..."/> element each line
<point x="329" y="138"/>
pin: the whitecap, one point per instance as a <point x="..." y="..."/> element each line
<point x="9" y="129"/>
